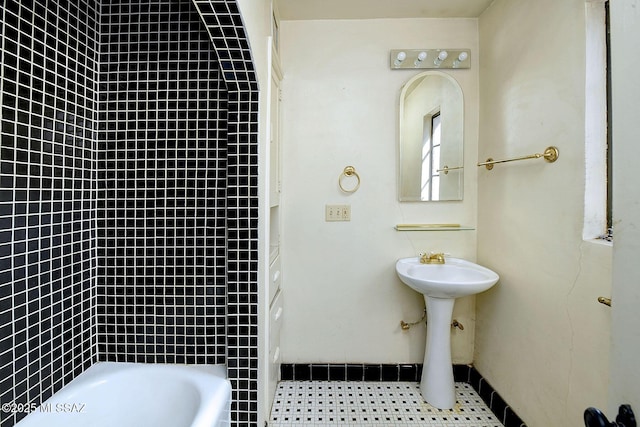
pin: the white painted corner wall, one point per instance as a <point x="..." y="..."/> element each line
<point x="542" y="337"/>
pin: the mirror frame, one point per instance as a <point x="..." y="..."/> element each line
<point x="403" y="93"/>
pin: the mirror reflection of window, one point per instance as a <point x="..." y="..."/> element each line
<point x="431" y="157"/>
<point x="431" y="137"/>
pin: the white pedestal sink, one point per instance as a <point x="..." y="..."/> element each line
<point x="441" y="284"/>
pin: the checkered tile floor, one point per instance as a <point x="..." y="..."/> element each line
<point x="340" y="403"/>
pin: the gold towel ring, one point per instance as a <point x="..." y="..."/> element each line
<point x="349" y="171"/>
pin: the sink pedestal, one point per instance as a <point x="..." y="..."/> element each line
<point x="436" y="385"/>
<point x="441" y="283"/>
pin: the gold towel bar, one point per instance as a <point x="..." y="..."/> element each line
<point x="445" y="169"/>
<point x="551" y="154"/>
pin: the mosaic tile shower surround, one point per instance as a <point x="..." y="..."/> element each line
<point x="47" y="197"/>
<point x="182" y="226"/>
<point x="224" y="25"/>
<point x="162" y="296"/>
<point x="162" y="187"/>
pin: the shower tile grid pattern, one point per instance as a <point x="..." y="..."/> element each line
<point x="224" y="25"/>
<point x="356" y="403"/>
<point x="47" y="197"/>
<point x="128" y="192"/>
<point x="162" y="177"/>
<point x="179" y="232"/>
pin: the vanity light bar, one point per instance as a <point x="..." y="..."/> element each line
<point x="429" y="58"/>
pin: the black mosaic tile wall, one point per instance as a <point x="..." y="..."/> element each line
<point x="47" y="197"/>
<point x="180" y="175"/>
<point x="165" y="165"/>
<point x="162" y="187"/>
<point x="225" y="27"/>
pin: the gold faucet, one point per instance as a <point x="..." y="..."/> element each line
<point x="432" y="258"/>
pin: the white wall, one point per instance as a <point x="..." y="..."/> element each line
<point x="542" y="337"/>
<point x="343" y="300"/>
<point x="625" y="375"/>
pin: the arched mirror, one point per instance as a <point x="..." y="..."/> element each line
<point x="431" y="138"/>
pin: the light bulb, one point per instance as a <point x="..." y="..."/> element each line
<point x="460" y="58"/>
<point x="441" y="57"/>
<point x="400" y="58"/>
<point x="421" y="57"/>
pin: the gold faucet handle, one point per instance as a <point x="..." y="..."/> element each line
<point x="438" y="258"/>
<point x="432" y="258"/>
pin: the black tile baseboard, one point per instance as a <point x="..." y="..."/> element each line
<point x="494" y="401"/>
<point x="400" y="372"/>
<point x="350" y="372"/>
<point x="361" y="372"/>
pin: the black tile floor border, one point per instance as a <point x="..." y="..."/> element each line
<point x="400" y="372"/>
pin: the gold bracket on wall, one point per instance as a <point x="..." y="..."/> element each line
<point x="550" y="154"/>
<point x="445" y="169"/>
<point x="604" y="300"/>
<point x="456" y="324"/>
<point x="406" y="326"/>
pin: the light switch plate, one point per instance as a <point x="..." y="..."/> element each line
<point x="337" y="213"/>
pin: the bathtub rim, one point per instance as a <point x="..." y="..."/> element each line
<point x="100" y="372"/>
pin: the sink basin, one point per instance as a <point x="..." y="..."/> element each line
<point x="441" y="284"/>
<point x="453" y="279"/>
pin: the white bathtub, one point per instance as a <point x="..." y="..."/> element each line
<point x="110" y="394"/>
